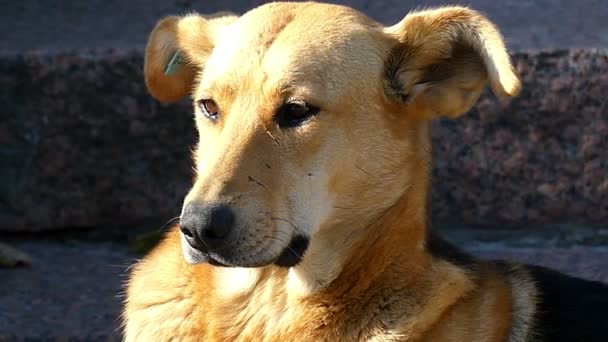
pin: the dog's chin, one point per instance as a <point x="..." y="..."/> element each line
<point x="289" y="257"/>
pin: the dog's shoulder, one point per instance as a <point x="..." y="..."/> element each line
<point x="547" y="305"/>
<point x="569" y="309"/>
<point x="552" y="306"/>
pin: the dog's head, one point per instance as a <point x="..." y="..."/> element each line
<point x="313" y="117"/>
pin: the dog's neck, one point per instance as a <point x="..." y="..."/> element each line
<point x="396" y="236"/>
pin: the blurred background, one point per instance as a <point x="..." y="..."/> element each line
<point x="93" y="169"/>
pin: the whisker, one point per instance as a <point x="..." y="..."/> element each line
<point x="286" y="221"/>
<point x="168" y="223"/>
<point x="339" y="207"/>
<point x="286" y="245"/>
<point x="277" y="211"/>
<point x="362" y="170"/>
<point x="130" y="267"/>
<point x="296" y="228"/>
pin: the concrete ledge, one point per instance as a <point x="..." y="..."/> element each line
<point x="83" y="145"/>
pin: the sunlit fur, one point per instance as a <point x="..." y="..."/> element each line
<point x="354" y="179"/>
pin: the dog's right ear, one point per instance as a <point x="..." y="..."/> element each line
<point x="192" y="38"/>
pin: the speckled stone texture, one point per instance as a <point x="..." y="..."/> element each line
<point x="541" y="158"/>
<point x="83" y="145"/>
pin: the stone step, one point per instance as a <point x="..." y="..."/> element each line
<point x="57" y="26"/>
<point x="82" y="144"/>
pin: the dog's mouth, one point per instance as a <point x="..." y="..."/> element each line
<point x="217" y="262"/>
<point x="293" y="253"/>
<point x="290" y="256"/>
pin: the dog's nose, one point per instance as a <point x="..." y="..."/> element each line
<point x="206" y="227"/>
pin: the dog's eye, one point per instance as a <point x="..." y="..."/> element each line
<point x="293" y="114"/>
<point x="209" y="109"/>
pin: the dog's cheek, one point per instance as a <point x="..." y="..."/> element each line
<point x="310" y="202"/>
<point x="307" y="186"/>
<point x="371" y="177"/>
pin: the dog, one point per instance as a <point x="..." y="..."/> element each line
<point x="308" y="217"/>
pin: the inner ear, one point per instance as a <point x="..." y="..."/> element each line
<point x="462" y="66"/>
<point x="442" y="60"/>
<point x="453" y="85"/>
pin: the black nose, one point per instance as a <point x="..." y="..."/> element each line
<point x="206" y="227"/>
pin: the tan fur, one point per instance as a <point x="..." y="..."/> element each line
<point x="354" y="179"/>
<point x="192" y="34"/>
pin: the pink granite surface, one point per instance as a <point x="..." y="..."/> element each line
<point x="541" y="158"/>
<point x="83" y="145"/>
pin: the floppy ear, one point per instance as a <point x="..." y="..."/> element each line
<point x="444" y="58"/>
<point x="193" y="36"/>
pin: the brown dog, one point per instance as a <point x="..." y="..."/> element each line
<point x="308" y="217"/>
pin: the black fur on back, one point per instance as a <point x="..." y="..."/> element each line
<point x="570" y="309"/>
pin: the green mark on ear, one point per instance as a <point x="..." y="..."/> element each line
<point x="174" y="64"/>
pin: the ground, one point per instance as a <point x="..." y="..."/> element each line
<point x="73" y="289"/>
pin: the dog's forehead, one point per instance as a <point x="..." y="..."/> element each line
<point x="297" y="44"/>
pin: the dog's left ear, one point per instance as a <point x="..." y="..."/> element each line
<point x="444" y="58"/>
